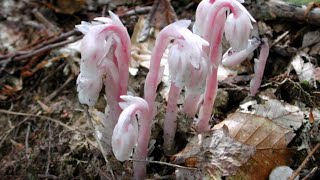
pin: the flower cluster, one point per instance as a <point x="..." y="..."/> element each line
<point x="105" y="56"/>
<point x="193" y="60"/>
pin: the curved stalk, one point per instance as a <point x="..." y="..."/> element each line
<point x="170" y="123"/>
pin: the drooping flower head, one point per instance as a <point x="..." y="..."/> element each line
<point x="238" y="26"/>
<point x="202" y="12"/>
<point x="104" y="39"/>
<point x="201" y="15"/>
<point x="233" y="58"/>
<point x="125" y="133"/>
<point x="187" y="61"/>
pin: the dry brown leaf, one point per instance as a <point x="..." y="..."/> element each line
<point x="304" y="68"/>
<point x="160" y="15"/>
<point x="216" y="153"/>
<point x="284" y="114"/>
<point x="270" y="140"/>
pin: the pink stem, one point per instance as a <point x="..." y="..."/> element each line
<point x="112" y="92"/>
<point x="141" y="151"/>
<point x="191" y="104"/>
<point x="122" y="51"/>
<point x="150" y="92"/>
<point x="259" y="68"/>
<point x="170" y="123"/>
<point x="209" y="97"/>
<point x="150" y="89"/>
<point x="217" y="22"/>
<point x="123" y="55"/>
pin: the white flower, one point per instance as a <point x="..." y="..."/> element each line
<point x="238" y="26"/>
<point x="186" y="59"/>
<point x="97" y="49"/>
<point x="201" y="17"/>
<point x="125" y="133"/>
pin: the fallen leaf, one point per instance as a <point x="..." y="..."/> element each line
<point x="161" y="14"/>
<point x="270" y="140"/>
<point x="216" y="152"/>
<point x="284" y="114"/>
<point x="304" y="70"/>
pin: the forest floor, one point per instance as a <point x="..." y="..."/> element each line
<point x="44" y="130"/>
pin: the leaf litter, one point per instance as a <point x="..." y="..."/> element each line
<point x="245" y="131"/>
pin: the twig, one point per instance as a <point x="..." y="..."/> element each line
<point x="39" y="116"/>
<point x="45" y="79"/>
<point x="279" y="38"/>
<point x="310" y="173"/>
<point x="165" y="163"/>
<point x="4" y="135"/>
<point x="34" y="110"/>
<point x="49" y="149"/>
<point x="27" y="143"/>
<point x="31" y="53"/>
<point x="303" y="164"/>
<point x="47" y="176"/>
<point x="45" y="48"/>
<point x="45" y="21"/>
<point x="98" y="141"/>
<point x="56" y="92"/>
<point x="282" y="10"/>
<point x="137" y="10"/>
<point x="100" y="171"/>
<point x="51" y="41"/>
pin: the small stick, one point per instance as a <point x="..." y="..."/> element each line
<point x="26" y="141"/>
<point x="4" y="135"/>
<point x="310" y="173"/>
<point x="57" y="91"/>
<point x="39" y="116"/>
<point x="164" y="163"/>
<point x="49" y="149"/>
<point x="45" y="43"/>
<point x="31" y="53"/>
<point x="303" y="164"/>
<point x="98" y="141"/>
<point x="137" y="10"/>
<point x="276" y="41"/>
<point x="48" y="47"/>
<point x="45" y="21"/>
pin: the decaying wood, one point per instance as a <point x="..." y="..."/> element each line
<point x="278" y="9"/>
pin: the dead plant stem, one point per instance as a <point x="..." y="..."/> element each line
<point x="303" y="164"/>
<point x="98" y="141"/>
<point x="165" y="163"/>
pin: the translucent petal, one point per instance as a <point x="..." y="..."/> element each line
<point x="129" y="100"/>
<point x="237" y="31"/>
<point x="115" y="19"/>
<point x="88" y="89"/>
<point x="243" y="9"/>
<point x="125" y="135"/>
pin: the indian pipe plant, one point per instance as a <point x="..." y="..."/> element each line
<point x="193" y="61"/>
<point x="105" y="55"/>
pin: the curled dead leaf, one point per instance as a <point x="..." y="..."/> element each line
<point x="270" y="140"/>
<point x="215" y="153"/>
